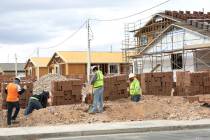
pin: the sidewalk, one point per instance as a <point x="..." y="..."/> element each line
<point x="99" y="129"/>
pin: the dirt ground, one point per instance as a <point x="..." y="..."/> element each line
<point x="150" y="108"/>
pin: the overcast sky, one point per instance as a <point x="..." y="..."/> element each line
<point x="26" y="25"/>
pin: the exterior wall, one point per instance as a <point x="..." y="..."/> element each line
<point x="63" y="69"/>
<point x="76" y="69"/>
<point x="43" y="71"/>
<point x="180" y="37"/>
<point x="124" y="68"/>
<point x="202" y="60"/>
<point x="33" y="74"/>
<point x="167" y="64"/>
<point x="170" y="41"/>
<point x="20" y="73"/>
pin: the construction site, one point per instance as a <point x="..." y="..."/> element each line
<point x="169" y="54"/>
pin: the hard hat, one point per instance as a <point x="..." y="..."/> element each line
<point x="131" y="75"/>
<point x="93" y="67"/>
<point x="17" y="78"/>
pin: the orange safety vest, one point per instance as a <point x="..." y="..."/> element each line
<point x="12" y="93"/>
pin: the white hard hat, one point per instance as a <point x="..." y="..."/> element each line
<point x="93" y="67"/>
<point x="17" y="78"/>
<point x="131" y="75"/>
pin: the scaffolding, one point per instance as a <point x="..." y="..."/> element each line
<point x="154" y="29"/>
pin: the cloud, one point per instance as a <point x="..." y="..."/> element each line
<point x="28" y="24"/>
<point x="28" y="5"/>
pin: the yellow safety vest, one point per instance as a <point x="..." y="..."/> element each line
<point x="135" y="88"/>
<point x="99" y="80"/>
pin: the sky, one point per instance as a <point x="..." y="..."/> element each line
<point x="27" y="26"/>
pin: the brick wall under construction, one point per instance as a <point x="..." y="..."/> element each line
<point x="115" y="87"/>
<point x="66" y="92"/>
<point x="192" y="83"/>
<point x="159" y="83"/>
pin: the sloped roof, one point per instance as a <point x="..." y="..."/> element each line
<point x="178" y="21"/>
<point x="179" y="25"/>
<point x="96" y="57"/>
<point x="38" y="61"/>
<point x="11" y="66"/>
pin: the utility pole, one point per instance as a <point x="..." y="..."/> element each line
<point x="111" y="48"/>
<point x="37" y="52"/>
<point x="8" y="58"/>
<point x="89" y="51"/>
<point x="16" y="65"/>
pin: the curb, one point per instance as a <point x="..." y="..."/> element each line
<point x="103" y="132"/>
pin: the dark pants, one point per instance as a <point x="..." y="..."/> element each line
<point x="10" y="106"/>
<point x="135" y="98"/>
<point x="33" y="104"/>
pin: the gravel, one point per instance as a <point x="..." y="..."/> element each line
<point x="44" y="82"/>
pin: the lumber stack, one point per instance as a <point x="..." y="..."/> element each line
<point x="66" y="92"/>
<point x="159" y="83"/>
<point x="24" y="98"/>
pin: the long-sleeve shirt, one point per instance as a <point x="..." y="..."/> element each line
<point x="93" y="79"/>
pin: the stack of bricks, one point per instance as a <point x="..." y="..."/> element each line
<point x="66" y="92"/>
<point x="6" y="78"/>
<point x="77" y="76"/>
<point x="115" y="87"/>
<point x="24" y="98"/>
<point x="207" y="85"/>
<point x="190" y="83"/>
<point x="159" y="83"/>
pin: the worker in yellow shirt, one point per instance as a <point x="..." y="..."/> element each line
<point x="98" y="86"/>
<point x="135" y="89"/>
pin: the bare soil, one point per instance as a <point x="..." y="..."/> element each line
<point x="150" y="108"/>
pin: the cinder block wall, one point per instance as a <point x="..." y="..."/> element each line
<point x="66" y="92"/>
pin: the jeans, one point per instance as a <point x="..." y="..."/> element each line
<point x="33" y="104"/>
<point x="10" y="106"/>
<point x="135" y="98"/>
<point x="98" y="100"/>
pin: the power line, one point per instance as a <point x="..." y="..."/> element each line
<point x="34" y="51"/>
<point x="69" y="37"/>
<point x="121" y="18"/>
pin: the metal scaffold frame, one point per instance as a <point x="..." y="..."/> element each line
<point x="132" y="46"/>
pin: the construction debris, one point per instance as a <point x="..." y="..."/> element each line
<point x="44" y="83"/>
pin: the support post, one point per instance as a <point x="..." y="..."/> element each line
<point x="16" y="74"/>
<point x="89" y="52"/>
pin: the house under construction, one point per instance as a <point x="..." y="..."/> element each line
<point x="169" y="41"/>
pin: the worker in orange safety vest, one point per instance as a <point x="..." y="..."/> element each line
<point x="13" y="91"/>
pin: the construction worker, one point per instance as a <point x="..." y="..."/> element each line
<point x="98" y="86"/>
<point x="13" y="91"/>
<point x="37" y="101"/>
<point x="135" y="89"/>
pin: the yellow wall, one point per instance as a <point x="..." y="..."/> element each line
<point x="43" y="71"/>
<point x="76" y="69"/>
